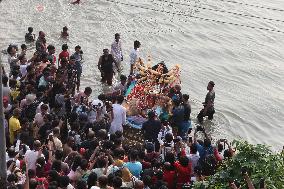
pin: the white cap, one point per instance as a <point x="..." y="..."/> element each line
<point x="98" y="103"/>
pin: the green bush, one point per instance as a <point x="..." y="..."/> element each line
<point x="260" y="162"/>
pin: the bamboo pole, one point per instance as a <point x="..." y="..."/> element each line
<point x="3" y="166"/>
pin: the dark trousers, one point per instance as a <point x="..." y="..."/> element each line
<point x="209" y="113"/>
<point x="107" y="77"/>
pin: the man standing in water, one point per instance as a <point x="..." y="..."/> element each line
<point x="105" y="66"/>
<point x="40" y="47"/>
<point x="208" y="109"/>
<point x="134" y="55"/>
<point x="78" y="64"/>
<point x="116" y="51"/>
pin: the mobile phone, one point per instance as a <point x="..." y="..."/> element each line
<point x="261" y="183"/>
<point x="244" y="170"/>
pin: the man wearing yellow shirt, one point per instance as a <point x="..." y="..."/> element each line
<point x="14" y="125"/>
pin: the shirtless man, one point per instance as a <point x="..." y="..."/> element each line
<point x="208" y="109"/>
<point x="64" y="33"/>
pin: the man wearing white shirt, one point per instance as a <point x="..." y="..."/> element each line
<point x="32" y="155"/>
<point x="116" y="51"/>
<point x="38" y="120"/>
<point x="134" y="56"/>
<point x="38" y="109"/>
<point x="23" y="65"/>
<point x="119" y="116"/>
<point x="193" y="156"/>
<point x="13" y="57"/>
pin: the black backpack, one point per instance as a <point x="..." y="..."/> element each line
<point x="29" y="111"/>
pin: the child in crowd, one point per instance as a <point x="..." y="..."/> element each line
<point x="24" y="48"/>
<point x="64" y="53"/>
<point x="30" y="37"/>
<point x="64" y="33"/>
<point x="51" y="57"/>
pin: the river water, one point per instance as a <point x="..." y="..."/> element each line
<point x="215" y="40"/>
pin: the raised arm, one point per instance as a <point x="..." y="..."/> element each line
<point x="195" y="136"/>
<point x="249" y="182"/>
<point x="115" y="62"/>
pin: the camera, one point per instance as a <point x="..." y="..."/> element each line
<point x="199" y="128"/>
<point x="244" y="170"/>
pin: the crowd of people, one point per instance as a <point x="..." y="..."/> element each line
<point x="58" y="137"/>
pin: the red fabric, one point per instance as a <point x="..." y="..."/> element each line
<point x="169" y="178"/>
<point x="43" y="181"/>
<point x="183" y="173"/>
<point x="64" y="54"/>
<point x="145" y="100"/>
<point x="217" y="155"/>
<point x="182" y="153"/>
<point x="47" y="168"/>
<point x="145" y="165"/>
<point x="22" y="164"/>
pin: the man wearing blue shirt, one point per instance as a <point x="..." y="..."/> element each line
<point x="134" y="166"/>
<point x="204" y="149"/>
